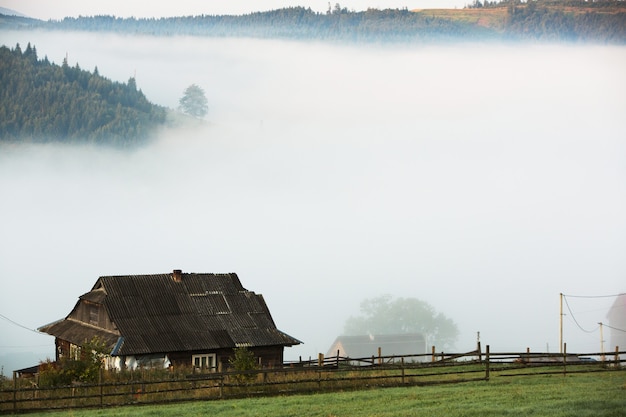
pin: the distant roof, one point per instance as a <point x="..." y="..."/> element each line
<point x="618" y="309"/>
<point x="30" y="370"/>
<point x="367" y="345"/>
<point x="158" y="314"/>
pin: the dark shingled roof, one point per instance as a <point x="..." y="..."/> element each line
<point x="157" y="314"/>
<point x="77" y="332"/>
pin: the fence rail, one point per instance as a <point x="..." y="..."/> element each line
<point x="323" y="374"/>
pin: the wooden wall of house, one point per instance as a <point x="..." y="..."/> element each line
<point x="62" y="348"/>
<point x="184" y="359"/>
<point x="180" y="359"/>
<point x="271" y="356"/>
<point x="92" y="313"/>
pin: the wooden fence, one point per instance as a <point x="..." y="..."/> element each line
<point x="315" y="375"/>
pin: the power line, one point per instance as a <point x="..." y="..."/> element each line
<point x="614" y="328"/>
<point x="574" y="318"/>
<point x="594" y="296"/>
<point x="19" y="325"/>
<point x="24" y="347"/>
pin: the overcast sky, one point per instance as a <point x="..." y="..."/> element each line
<point x="55" y="9"/>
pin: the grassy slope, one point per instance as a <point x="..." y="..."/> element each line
<point x="495" y="18"/>
<point x="591" y="394"/>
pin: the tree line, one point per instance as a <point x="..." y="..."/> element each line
<point x="570" y="20"/>
<point x="287" y="23"/>
<point x="41" y="101"/>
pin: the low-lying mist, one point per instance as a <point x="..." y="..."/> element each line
<point x="484" y="180"/>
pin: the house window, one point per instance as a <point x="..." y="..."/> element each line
<point x="93" y="315"/>
<point x="204" y="361"/>
<point x="74" y="352"/>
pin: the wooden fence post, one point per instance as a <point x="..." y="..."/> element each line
<point x="487" y="359"/>
<point x="380" y="356"/>
<point x="478" y="349"/>
<point x="402" y="368"/>
<point x="320" y="359"/>
<point x="101" y="382"/>
<point x="14" y="390"/>
<point x="433" y="354"/>
<point x="617" y="363"/>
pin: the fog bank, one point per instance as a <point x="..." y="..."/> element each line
<point x="483" y="180"/>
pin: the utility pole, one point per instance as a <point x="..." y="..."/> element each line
<point x="561" y="323"/>
<point x="601" y="342"/>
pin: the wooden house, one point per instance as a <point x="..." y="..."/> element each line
<point x="172" y="319"/>
<point x="366" y="346"/>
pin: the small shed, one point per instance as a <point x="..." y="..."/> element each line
<point x="30" y="372"/>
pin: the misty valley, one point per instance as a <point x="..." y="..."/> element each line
<point x="483" y="178"/>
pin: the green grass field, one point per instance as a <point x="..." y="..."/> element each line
<point x="601" y="394"/>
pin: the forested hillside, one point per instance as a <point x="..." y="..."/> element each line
<point x="42" y="102"/>
<point x="288" y="23"/>
<point x="602" y="21"/>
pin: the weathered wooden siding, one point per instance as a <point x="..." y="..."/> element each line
<point x="271" y="356"/>
<point x="92" y="313"/>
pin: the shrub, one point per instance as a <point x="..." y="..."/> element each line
<point x="85" y="369"/>
<point x="243" y="361"/>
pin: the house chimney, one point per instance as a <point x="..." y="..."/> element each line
<point x="177" y="275"/>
